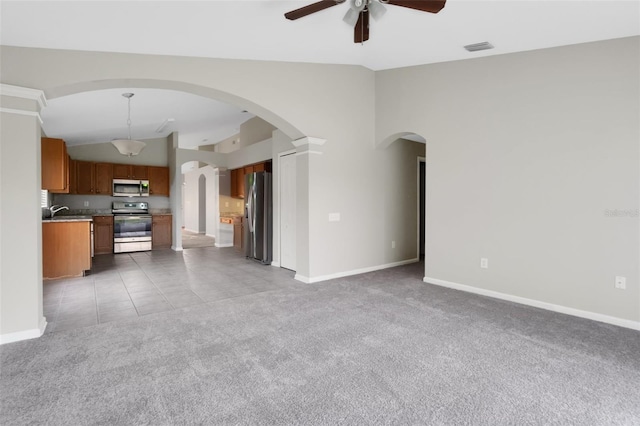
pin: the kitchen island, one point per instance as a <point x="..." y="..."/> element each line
<point x="66" y="246"/>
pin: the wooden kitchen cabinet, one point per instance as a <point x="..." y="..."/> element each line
<point x="54" y="165"/>
<point x="161" y="231"/>
<point x="238" y="233"/>
<point x="240" y="184"/>
<point x="66" y="249"/>
<point x="130" y="171"/>
<point x="93" y="178"/>
<point x="158" y="180"/>
<point x="102" y="234"/>
<point x="86" y="177"/>
<point x="73" y="176"/>
<point x="103" y="179"/>
<point x="237" y="183"/>
<point x="237" y="177"/>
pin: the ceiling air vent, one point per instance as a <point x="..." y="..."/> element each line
<point x="479" y="46"/>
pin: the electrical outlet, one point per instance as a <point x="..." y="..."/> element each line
<point x="334" y="217"/>
<point x="86" y="204"/>
<point x="621" y="283"/>
<point x="393" y="244"/>
<point x="226" y="204"/>
<point x="238" y="204"/>
<point x="484" y="263"/>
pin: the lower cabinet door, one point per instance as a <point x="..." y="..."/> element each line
<point x="161" y="231"/>
<point x="103" y="234"/>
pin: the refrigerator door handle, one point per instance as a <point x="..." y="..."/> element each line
<point x="250" y="219"/>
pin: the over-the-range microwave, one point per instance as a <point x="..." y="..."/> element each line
<point x="130" y="188"/>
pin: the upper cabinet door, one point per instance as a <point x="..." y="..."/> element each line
<point x="104" y="179"/>
<point x="139" y="172"/>
<point x="54" y="165"/>
<point x="121" y="171"/>
<point x="73" y="176"/>
<point x="158" y="181"/>
<point x="130" y="171"/>
<point x="86" y="177"/>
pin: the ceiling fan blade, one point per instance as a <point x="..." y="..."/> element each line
<point x="312" y="8"/>
<point x="433" y="6"/>
<point x="361" y="30"/>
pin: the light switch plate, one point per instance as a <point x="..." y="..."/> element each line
<point x="334" y="217"/>
<point x="484" y="263"/>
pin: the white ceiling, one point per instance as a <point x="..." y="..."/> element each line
<point x="100" y="116"/>
<point x="244" y="29"/>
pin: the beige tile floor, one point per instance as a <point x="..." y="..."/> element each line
<point x="129" y="285"/>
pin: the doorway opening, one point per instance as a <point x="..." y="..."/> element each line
<point x="198" y="205"/>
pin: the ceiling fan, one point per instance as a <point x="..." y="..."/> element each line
<point x="358" y="13"/>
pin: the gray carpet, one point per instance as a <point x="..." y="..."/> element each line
<point x="378" y="348"/>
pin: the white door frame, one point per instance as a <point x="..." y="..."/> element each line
<point x="421" y="160"/>
<point x="280" y="155"/>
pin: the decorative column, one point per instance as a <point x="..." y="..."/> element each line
<point x="308" y="152"/>
<point x="21" y="314"/>
<point x="175" y="197"/>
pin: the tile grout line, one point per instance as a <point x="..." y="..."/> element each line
<point x="125" y="287"/>
<point x="154" y="284"/>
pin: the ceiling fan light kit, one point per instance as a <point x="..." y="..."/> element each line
<point x="359" y="11"/>
<point x="128" y="146"/>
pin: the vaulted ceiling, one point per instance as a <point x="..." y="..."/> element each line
<point x="243" y="29"/>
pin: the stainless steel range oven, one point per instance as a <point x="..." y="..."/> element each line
<point x="131" y="227"/>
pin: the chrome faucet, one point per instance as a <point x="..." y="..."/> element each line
<point x="55" y="209"/>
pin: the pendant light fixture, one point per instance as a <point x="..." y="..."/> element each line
<point x="128" y="147"/>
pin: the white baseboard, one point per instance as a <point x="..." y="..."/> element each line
<point x="309" y="280"/>
<point x="176" y="248"/>
<point x="302" y="278"/>
<point x="634" y="325"/>
<point x="223" y="245"/>
<point x="24" y="335"/>
<point x="275" y="263"/>
<point x="210" y="235"/>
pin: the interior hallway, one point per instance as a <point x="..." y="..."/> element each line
<point x="194" y="239"/>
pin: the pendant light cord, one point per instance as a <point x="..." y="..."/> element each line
<point x="129" y="117"/>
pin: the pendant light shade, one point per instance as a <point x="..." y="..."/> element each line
<point x="129" y="146"/>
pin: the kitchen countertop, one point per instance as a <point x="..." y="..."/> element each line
<point x="68" y="218"/>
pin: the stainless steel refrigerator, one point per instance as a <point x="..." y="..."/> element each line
<point x="258" y="217"/>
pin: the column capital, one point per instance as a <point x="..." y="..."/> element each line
<point x="15" y="100"/>
<point x="308" y="145"/>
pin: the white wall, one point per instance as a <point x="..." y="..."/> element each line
<point x="251" y="131"/>
<point x="526" y="153"/>
<point x="20" y="217"/>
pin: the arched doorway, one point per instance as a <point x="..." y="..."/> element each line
<point x="199" y="205"/>
<point x="408" y="150"/>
